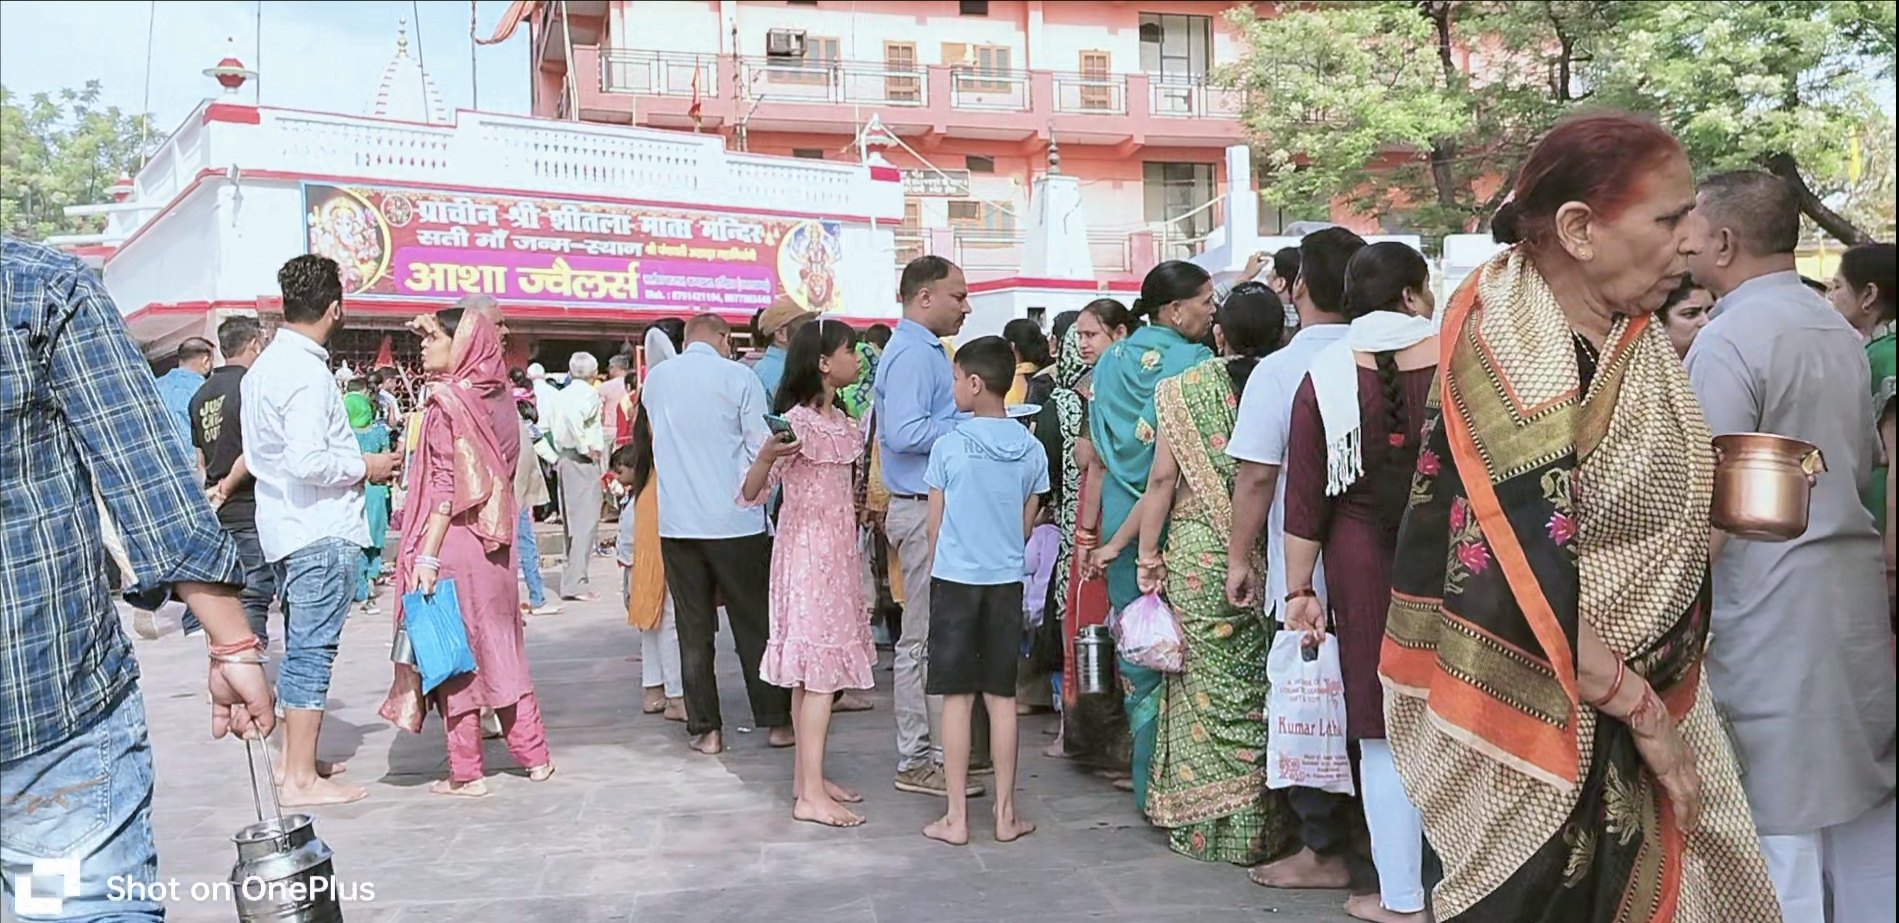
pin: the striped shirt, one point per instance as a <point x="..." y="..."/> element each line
<point x="79" y="410"/>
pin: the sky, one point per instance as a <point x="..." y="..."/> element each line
<point x="326" y="56"/>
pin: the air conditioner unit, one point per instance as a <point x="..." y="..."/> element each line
<point x="784" y="43"/>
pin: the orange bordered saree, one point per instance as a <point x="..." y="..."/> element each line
<point x="1543" y="499"/>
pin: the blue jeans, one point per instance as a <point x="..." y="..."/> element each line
<point x="86" y="803"/>
<point x="318" y="582"/>
<point x="530" y="559"/>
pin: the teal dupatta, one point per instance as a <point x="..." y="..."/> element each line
<point x="1123" y="426"/>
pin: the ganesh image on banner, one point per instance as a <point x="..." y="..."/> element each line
<point x="347" y="229"/>
<point x="808" y="262"/>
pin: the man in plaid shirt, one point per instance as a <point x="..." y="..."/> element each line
<point x="79" y="410"/>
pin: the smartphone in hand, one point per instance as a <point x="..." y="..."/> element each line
<point x="779" y="427"/>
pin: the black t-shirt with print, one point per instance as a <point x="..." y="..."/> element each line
<point x="217" y="430"/>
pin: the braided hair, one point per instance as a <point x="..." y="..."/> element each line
<point x="1377" y="279"/>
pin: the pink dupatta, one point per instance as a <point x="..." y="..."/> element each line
<point x="482" y="496"/>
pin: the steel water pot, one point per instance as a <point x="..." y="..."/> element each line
<point x="284" y="873"/>
<point x="1094" y="660"/>
<point x="1763" y="485"/>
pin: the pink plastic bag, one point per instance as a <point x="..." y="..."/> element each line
<point x="1147" y="636"/>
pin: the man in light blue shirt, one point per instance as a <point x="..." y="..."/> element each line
<point x="708" y="418"/>
<point x="177" y="387"/>
<point x="914" y="408"/>
<point x="776" y="325"/>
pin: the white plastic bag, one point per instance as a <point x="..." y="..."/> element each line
<point x="1148" y="636"/>
<point x="1305" y="717"/>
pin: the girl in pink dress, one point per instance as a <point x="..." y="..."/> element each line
<point x="820" y="626"/>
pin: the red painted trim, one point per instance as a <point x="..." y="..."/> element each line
<point x="84" y="250"/>
<point x="1074" y="285"/>
<point x="235" y="113"/>
<point x="887" y="174"/>
<point x="498" y="190"/>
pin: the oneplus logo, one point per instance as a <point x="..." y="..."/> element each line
<point x="44" y="892"/>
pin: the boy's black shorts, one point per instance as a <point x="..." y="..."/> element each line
<point x="975" y="638"/>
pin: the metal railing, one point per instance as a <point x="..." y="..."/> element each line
<point x="974" y="88"/>
<point x="1191" y="98"/>
<point x="842" y="82"/>
<point x="1000" y="252"/>
<point x="1091" y="93"/>
<point x="658" y="73"/>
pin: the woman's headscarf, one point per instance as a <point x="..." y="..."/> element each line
<point x="361" y="412"/>
<point x="464" y="398"/>
<point x="659" y="347"/>
<point x="1122" y="414"/>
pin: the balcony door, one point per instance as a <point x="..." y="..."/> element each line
<point x="901" y="58"/>
<point x="1174" y="195"/>
<point x="1096" y="93"/>
<point x="1176" y="47"/>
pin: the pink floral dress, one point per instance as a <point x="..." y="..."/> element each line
<point x="820" y="623"/>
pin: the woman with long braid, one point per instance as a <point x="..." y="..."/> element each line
<point x="1356" y="424"/>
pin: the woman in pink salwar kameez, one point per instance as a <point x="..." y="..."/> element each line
<point x="461" y="482"/>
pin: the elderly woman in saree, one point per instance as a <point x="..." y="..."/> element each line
<point x="1545" y="703"/>
<point x="462" y="529"/>
<point x="1177" y="297"/>
<point x="1207" y="784"/>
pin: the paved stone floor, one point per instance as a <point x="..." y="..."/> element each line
<point x="634" y="827"/>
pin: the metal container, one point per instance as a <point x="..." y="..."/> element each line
<point x="1763" y="484"/>
<point x="284" y="874"/>
<point x="1094" y="660"/>
<point x="402" y="650"/>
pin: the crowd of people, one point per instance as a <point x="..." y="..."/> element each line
<point x="1567" y="695"/>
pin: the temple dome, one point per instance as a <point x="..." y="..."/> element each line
<point x="406" y="91"/>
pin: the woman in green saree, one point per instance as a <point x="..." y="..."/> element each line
<point x="1178" y="297"/>
<point x="1862" y="290"/>
<point x="372" y="434"/>
<point x="1207" y="782"/>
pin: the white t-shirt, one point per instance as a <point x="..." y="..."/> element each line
<point x="1260" y="434"/>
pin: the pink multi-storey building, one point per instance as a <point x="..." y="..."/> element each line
<point x="973" y="92"/>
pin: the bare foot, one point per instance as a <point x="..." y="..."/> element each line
<point x="1123" y="784"/>
<point x="324" y="770"/>
<point x="1303" y="869"/>
<point x="675" y="710"/>
<point x="1368" y="907"/>
<point x="654" y="700"/>
<point x="711" y="743"/>
<point x="834" y="791"/>
<point x="1056" y="750"/>
<point x="1011" y="828"/>
<point x="475" y="789"/>
<point x="781" y="737"/>
<point x="542" y="772"/>
<point x="851" y="701"/>
<point x="945" y="832"/>
<point x="320" y="792"/>
<point x="825" y="811"/>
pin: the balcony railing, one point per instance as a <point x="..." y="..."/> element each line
<point x="987" y="89"/>
<point x="1191" y="98"/>
<point x="658" y="73"/>
<point x="843" y="82"/>
<point x="1087" y="93"/>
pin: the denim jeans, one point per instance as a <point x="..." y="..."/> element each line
<point x="85" y="804"/>
<point x="318" y="582"/>
<point x="530" y="559"/>
<point x="260" y="582"/>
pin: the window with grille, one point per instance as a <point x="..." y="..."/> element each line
<point x="1174" y="191"/>
<point x="1095" y="91"/>
<point x="971" y="63"/>
<point x="976" y="163"/>
<point x="973" y="7"/>
<point x="901" y="58"/>
<point x="820" y="58"/>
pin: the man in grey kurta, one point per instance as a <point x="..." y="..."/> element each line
<point x="1801" y="656"/>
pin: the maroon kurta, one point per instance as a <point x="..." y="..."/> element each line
<point x="1358" y="528"/>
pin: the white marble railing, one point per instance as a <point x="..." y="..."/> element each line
<point x="497" y="151"/>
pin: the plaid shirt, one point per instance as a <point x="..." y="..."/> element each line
<point x="79" y="412"/>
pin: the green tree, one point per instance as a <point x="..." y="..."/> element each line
<point x="1342" y="104"/>
<point x="62" y="150"/>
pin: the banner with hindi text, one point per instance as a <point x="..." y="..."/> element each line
<point x="411" y="242"/>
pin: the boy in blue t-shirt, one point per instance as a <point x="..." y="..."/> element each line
<point x="983" y="478"/>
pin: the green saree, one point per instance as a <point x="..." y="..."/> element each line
<point x="1207" y="783"/>
<point x="1121" y="424"/>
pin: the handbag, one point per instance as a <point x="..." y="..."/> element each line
<point x="434" y="624"/>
